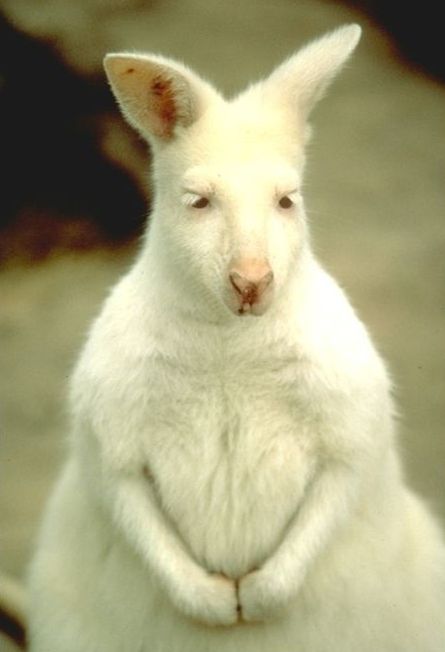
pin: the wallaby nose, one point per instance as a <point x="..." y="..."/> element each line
<point x="250" y="279"/>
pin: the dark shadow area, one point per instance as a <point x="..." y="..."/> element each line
<point x="416" y="28"/>
<point x="12" y="629"/>
<point x="57" y="183"/>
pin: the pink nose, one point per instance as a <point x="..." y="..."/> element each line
<point x="250" y="279"/>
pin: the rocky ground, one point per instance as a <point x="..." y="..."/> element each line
<point x="375" y="195"/>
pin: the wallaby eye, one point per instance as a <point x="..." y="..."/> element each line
<point x="195" y="200"/>
<point x="285" y="202"/>
<point x="200" y="202"/>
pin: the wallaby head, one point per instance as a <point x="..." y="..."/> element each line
<point x="228" y="219"/>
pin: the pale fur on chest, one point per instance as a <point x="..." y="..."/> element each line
<point x="230" y="460"/>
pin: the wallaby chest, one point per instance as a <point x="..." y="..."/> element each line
<point x="230" y="455"/>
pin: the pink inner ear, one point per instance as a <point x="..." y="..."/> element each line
<point x="162" y="99"/>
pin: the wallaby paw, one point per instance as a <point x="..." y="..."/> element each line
<point x="259" y="597"/>
<point x="212" y="600"/>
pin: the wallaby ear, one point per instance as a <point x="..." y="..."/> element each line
<point x="304" y="77"/>
<point x="155" y="94"/>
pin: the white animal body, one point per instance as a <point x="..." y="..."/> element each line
<point x="233" y="483"/>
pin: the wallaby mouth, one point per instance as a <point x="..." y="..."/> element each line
<point x="255" y="308"/>
<point x="245" y="309"/>
<point x="248" y="295"/>
<point x="249" y="303"/>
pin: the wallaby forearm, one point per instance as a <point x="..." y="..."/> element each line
<point x="132" y="503"/>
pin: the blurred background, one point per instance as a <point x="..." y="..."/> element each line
<point x="75" y="193"/>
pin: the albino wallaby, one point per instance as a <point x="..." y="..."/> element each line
<point x="233" y="483"/>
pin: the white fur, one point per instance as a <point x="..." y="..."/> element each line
<point x="233" y="483"/>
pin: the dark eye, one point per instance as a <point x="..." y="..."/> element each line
<point x="285" y="202"/>
<point x="200" y="202"/>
